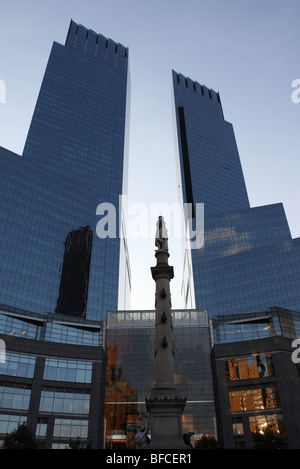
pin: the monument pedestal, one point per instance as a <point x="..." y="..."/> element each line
<point x="165" y="414"/>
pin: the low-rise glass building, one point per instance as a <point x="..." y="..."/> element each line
<point x="69" y="377"/>
<point x="51" y="377"/>
<point x="130" y="373"/>
<point x="256" y="379"/>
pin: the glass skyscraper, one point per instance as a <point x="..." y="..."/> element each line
<point x="74" y="160"/>
<point x="249" y="261"/>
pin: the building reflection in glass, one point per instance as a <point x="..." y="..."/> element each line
<point x="257" y="398"/>
<point x="74" y="283"/>
<point x="256" y="366"/>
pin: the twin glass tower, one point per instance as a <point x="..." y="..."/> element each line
<point x="76" y="157"/>
<point x="248" y="262"/>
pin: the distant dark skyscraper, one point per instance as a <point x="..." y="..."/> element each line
<point x="249" y="262"/>
<point x="75" y="158"/>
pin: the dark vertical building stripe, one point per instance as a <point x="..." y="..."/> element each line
<point x="186" y="160"/>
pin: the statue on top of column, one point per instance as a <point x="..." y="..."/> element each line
<point x="161" y="237"/>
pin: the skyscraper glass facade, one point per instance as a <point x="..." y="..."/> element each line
<point x="74" y="159"/>
<point x="210" y="167"/>
<point x="248" y="261"/>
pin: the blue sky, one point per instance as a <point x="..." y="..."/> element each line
<point x="246" y="50"/>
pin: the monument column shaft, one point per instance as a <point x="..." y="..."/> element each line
<point x="164" y="352"/>
<point x="165" y="405"/>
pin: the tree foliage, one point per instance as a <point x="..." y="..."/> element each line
<point x="76" y="443"/>
<point x="268" y="440"/>
<point x="207" y="442"/>
<point x="19" y="438"/>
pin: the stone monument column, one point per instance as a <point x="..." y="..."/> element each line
<point x="165" y="406"/>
